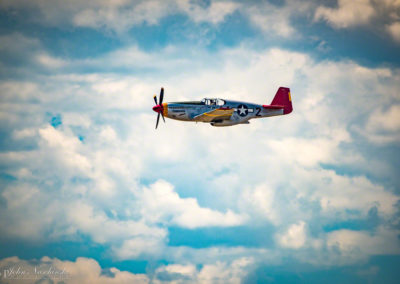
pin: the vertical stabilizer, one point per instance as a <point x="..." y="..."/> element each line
<point x="283" y="98"/>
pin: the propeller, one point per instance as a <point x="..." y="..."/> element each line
<point x="159" y="107"/>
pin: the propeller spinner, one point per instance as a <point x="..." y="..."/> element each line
<point x="159" y="107"/>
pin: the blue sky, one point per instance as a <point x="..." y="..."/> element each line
<point x="88" y="185"/>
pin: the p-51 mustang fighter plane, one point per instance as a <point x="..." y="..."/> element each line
<point x="219" y="112"/>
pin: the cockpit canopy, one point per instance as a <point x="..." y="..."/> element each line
<point x="213" y="102"/>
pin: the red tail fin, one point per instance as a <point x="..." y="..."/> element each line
<point x="282" y="98"/>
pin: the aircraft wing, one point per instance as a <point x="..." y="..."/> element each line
<point x="216" y="114"/>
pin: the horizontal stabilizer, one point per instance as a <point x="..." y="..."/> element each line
<point x="273" y="106"/>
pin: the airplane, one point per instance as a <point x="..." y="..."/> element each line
<point x="221" y="112"/>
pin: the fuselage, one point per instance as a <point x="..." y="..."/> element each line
<point x="242" y="111"/>
<point x="220" y="112"/>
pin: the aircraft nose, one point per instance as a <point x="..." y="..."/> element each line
<point x="157" y="108"/>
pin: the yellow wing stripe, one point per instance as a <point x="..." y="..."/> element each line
<point x="209" y="114"/>
<point x="217" y="113"/>
<point x="290" y="98"/>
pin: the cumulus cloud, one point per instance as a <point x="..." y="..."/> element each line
<point x="19" y="51"/>
<point x="87" y="270"/>
<point x="50" y="62"/>
<point x="151" y="12"/>
<point x="262" y="199"/>
<point x="160" y="204"/>
<point x="394" y="30"/>
<point x="360" y="194"/>
<point x="309" y="153"/>
<point x="348" y="13"/>
<point x="120" y="16"/>
<point x="214" y="13"/>
<point x="66" y="157"/>
<point x="272" y="19"/>
<point x="82" y="270"/>
<point x="294" y="237"/>
<point x="220" y="272"/>
<point x="66" y="150"/>
<point x="387" y="120"/>
<point x="362" y="243"/>
<point x="105" y="173"/>
<point x="340" y="247"/>
<point x="380" y="15"/>
<point x="105" y="230"/>
<point x="382" y="126"/>
<point x="276" y="19"/>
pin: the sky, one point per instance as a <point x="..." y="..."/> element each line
<point x="89" y="187"/>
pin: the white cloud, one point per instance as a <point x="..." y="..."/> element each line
<point x="50" y="62"/>
<point x="120" y="16"/>
<point x="215" y="13"/>
<point x="143" y="246"/>
<point x="347" y="247"/>
<point x="361" y="243"/>
<point x="76" y="119"/>
<point x="276" y="20"/>
<point x="61" y="152"/>
<point x="309" y="152"/>
<point x="224" y="272"/>
<point x="268" y="171"/>
<point x="65" y="150"/>
<point x="388" y="121"/>
<point x="338" y="193"/>
<point x="178" y="268"/>
<point x="24" y="133"/>
<point x="295" y="237"/>
<point x="382" y="126"/>
<point x="347" y="14"/>
<point x="86" y="176"/>
<point x="24" y="51"/>
<point x="56" y="13"/>
<point x="9" y="44"/>
<point x="380" y="15"/>
<point x="15" y="225"/>
<point x="160" y="204"/>
<point x="394" y="30"/>
<point x="48" y="211"/>
<point x="105" y="229"/>
<point x="82" y="270"/>
<point x="219" y="272"/>
<point x="262" y="200"/>
<point x="36" y="215"/>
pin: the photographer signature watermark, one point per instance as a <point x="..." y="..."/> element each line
<point x="34" y="273"/>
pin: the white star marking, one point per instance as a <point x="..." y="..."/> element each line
<point x="242" y="110"/>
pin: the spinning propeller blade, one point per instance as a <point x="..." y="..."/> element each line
<point x="161" y="95"/>
<point x="159" y="107"/>
<point x="158" y="118"/>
